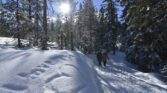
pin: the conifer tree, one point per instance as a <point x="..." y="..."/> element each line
<point x="144" y="20"/>
<point x="112" y="24"/>
<point x="79" y="25"/>
<point x="89" y="25"/>
<point x="101" y="30"/>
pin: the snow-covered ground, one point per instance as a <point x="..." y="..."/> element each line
<point x="10" y="42"/>
<point x="51" y="71"/>
<point x="63" y="71"/>
<point x="122" y="77"/>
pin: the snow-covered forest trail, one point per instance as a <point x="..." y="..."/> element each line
<point x="64" y="71"/>
<point x="122" y="77"/>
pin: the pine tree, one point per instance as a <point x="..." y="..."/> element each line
<point x="14" y="13"/>
<point x="36" y="9"/>
<point x="112" y="24"/>
<point x="3" y="23"/>
<point x="89" y="25"/>
<point x="101" y="30"/>
<point x="143" y="34"/>
<point x="79" y="25"/>
<point x="71" y="20"/>
<point x="58" y="29"/>
<point x="17" y="11"/>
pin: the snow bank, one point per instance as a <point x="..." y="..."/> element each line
<point x="6" y="42"/>
<point x="52" y="71"/>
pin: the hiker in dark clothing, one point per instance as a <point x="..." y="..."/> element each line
<point x="99" y="57"/>
<point x="105" y="58"/>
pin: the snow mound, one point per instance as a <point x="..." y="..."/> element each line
<point x="52" y="71"/>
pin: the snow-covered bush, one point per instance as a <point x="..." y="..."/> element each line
<point x="164" y="73"/>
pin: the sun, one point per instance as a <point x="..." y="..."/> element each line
<point x="65" y="8"/>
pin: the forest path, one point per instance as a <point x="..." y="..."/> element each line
<point x="119" y="76"/>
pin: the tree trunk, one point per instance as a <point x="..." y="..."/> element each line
<point x="30" y="26"/>
<point x="17" y="18"/>
<point x="114" y="49"/>
<point x="44" y="37"/>
<point x="72" y="43"/>
<point x="36" y="32"/>
<point x="29" y="9"/>
<point x="36" y="29"/>
<point x="61" y="45"/>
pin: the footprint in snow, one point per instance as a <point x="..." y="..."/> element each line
<point x="37" y="71"/>
<point x="43" y="66"/>
<point x="49" y="62"/>
<point x="16" y="87"/>
<point x="34" y="72"/>
<point x="22" y="74"/>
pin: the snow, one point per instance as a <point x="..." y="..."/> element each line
<point x="63" y="71"/>
<point x="52" y="71"/>
<point x="122" y="77"/>
<point x="10" y="42"/>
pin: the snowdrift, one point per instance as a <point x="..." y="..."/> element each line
<point x="52" y="71"/>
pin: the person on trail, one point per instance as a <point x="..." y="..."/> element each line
<point x="99" y="57"/>
<point x="105" y="58"/>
